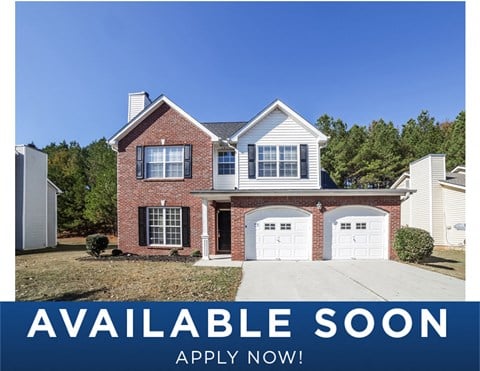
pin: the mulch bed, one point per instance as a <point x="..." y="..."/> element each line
<point x="134" y="257"/>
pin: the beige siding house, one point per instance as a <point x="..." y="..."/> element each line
<point x="437" y="201"/>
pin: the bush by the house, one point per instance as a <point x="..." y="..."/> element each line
<point x="173" y="252"/>
<point x="96" y="244"/>
<point x="117" y="252"/>
<point x="413" y="244"/>
<point x="196" y="254"/>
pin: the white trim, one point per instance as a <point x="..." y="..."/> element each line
<point x="430" y="193"/>
<point x="58" y="190"/>
<point x="459" y="170"/>
<point x="400" y="180"/>
<point x="277" y="104"/>
<point x="450" y="185"/>
<point x="147" y="111"/>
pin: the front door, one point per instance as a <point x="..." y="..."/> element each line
<point x="224" y="231"/>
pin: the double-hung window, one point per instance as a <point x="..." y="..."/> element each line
<point x="267" y="161"/>
<point x="278" y="161"/>
<point x="164" y="162"/>
<point x="226" y="162"/>
<point x="165" y="226"/>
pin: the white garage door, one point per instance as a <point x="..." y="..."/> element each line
<point x="356" y="232"/>
<point x="278" y="233"/>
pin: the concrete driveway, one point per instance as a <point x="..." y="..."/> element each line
<point x="345" y="280"/>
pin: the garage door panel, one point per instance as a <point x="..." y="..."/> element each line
<point x="356" y="232"/>
<point x="278" y="233"/>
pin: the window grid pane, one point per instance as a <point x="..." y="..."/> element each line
<point x="226" y="163"/>
<point x="267" y="169"/>
<point x="164" y="226"/>
<point x="155" y="228"/>
<point x="164" y="162"/>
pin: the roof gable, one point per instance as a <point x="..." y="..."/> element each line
<point x="162" y="99"/>
<point x="277" y="104"/>
<point x="224" y="130"/>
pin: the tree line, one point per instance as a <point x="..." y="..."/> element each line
<point x="355" y="157"/>
<point x="88" y="178"/>
<point x="375" y="156"/>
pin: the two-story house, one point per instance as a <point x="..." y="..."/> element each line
<point x="253" y="189"/>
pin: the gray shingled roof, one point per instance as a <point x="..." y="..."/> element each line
<point x="224" y="129"/>
<point x="456" y="179"/>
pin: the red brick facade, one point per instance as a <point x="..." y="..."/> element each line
<point x="165" y="126"/>
<point x="243" y="205"/>
<point x="164" y="123"/>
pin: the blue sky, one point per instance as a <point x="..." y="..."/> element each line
<point x="77" y="62"/>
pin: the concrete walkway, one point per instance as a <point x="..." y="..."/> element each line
<point x="347" y="280"/>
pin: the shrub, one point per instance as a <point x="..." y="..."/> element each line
<point x="96" y="244"/>
<point x="173" y="252"/>
<point x="413" y="244"/>
<point x="196" y="254"/>
<point x="117" y="252"/>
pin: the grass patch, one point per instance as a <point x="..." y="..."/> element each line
<point x="62" y="274"/>
<point x="450" y="262"/>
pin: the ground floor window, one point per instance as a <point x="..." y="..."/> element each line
<point x="164" y="226"/>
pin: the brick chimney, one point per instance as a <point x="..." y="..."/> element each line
<point x="136" y="103"/>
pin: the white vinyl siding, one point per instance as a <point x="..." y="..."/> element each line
<point x="222" y="181"/>
<point x="405" y="205"/>
<point x="164" y="226"/>
<point x="438" y="173"/>
<point x="35" y="199"/>
<point x="421" y="181"/>
<point x="52" y="216"/>
<point x="278" y="129"/>
<point x="454" y="202"/>
<point x="164" y="162"/>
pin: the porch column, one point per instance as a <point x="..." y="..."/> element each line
<point x="205" y="229"/>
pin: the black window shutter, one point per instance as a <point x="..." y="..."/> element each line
<point x="187" y="161"/>
<point x="142" y="226"/>
<point x="185" y="226"/>
<point x="304" y="161"/>
<point x="139" y="168"/>
<point x="251" y="161"/>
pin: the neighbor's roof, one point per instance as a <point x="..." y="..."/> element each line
<point x="224" y="130"/>
<point x="456" y="179"/>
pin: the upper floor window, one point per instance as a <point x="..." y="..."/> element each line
<point x="226" y="162"/>
<point x="278" y="161"/>
<point x="164" y="162"/>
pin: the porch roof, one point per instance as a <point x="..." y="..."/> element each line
<point x="225" y="195"/>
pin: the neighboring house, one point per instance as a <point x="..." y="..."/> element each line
<point x="35" y="200"/>
<point x="252" y="189"/>
<point x="438" y="205"/>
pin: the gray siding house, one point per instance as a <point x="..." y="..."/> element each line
<point x="35" y="200"/>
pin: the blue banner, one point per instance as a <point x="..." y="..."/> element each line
<point x="260" y="336"/>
